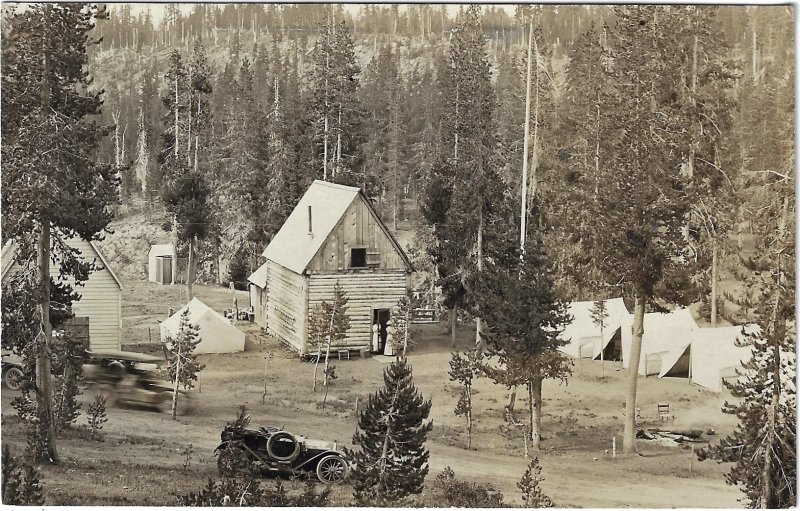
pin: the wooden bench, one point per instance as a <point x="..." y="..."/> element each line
<point x="344" y="354"/>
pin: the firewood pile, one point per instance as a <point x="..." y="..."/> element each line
<point x="670" y="438"/>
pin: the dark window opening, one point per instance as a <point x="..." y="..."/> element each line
<point x="358" y="258"/>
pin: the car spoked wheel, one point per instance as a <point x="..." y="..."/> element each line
<point x="332" y="469"/>
<point x="13" y="378"/>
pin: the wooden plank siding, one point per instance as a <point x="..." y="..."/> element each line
<point x="286" y="300"/>
<point x="358" y="227"/>
<point x="101" y="299"/>
<point x="365" y="291"/>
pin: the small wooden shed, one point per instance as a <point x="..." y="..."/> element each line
<point x="159" y="263"/>
<point x="101" y="294"/>
<point x="332" y="235"/>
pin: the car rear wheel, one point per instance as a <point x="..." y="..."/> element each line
<point x="332" y="469"/>
<point x="13" y="378"/>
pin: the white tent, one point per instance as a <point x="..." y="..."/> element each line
<point x="155" y="270"/>
<point x="716" y="357"/>
<point x="583" y="333"/>
<point x="216" y="333"/>
<point x="664" y="343"/>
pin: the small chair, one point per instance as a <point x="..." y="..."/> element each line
<point x="344" y="354"/>
<point x="664" y="413"/>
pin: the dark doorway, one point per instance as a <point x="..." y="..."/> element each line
<point x="381" y="318"/>
<point x="613" y="350"/>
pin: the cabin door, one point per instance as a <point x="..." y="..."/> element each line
<point x="380" y="322"/>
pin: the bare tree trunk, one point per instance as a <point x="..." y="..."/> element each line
<point x="512" y="399"/>
<point x="175" y="384"/>
<point x="189" y="127"/>
<point x="325" y="135"/>
<point x="190" y="270"/>
<point x="325" y="372"/>
<point x="524" y="201"/>
<point x="177" y="138"/>
<point x="478" y="321"/>
<point x="629" y="431"/>
<point x="534" y="185"/>
<point x="44" y="378"/>
<point x="776" y="334"/>
<point x="316" y="365"/>
<point x="469" y="417"/>
<point x="453" y="322"/>
<point x="714" y="279"/>
<point x="692" y="133"/>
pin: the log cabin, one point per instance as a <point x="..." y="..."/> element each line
<point x="333" y="235"/>
<point x="100" y="296"/>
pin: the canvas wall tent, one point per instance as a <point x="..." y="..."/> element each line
<point x="584" y="334"/>
<point x="101" y="294"/>
<point x="715" y="356"/>
<point x="665" y="341"/>
<point x="333" y="235"/>
<point x="159" y="263"/>
<point x="216" y="333"/>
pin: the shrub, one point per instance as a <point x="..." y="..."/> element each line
<point x="532" y="495"/>
<point x="96" y="414"/>
<point x="451" y="492"/>
<point x="20" y="485"/>
<point x="246" y="491"/>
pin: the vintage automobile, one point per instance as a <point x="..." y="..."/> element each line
<point x="272" y="450"/>
<point x="133" y="378"/>
<point x="13" y="374"/>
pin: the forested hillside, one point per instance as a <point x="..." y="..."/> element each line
<point x="270" y="97"/>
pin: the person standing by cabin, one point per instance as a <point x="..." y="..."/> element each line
<point x="376" y="338"/>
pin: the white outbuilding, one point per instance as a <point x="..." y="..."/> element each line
<point x="216" y="333"/>
<point x="159" y="263"/>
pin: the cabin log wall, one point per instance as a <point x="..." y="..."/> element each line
<point x="365" y="291"/>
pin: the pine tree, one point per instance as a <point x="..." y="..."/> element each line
<point x="187" y="197"/>
<point x="96" y="415"/>
<point x="339" y="324"/>
<point x="334" y="110"/>
<point x="462" y="192"/>
<point x="764" y="441"/>
<point x="636" y="228"/>
<point x="390" y="459"/>
<point x="530" y="486"/>
<point x="198" y="108"/>
<point x="599" y="315"/>
<point x="404" y="337"/>
<point x="464" y="369"/>
<point x="183" y="368"/>
<point x="48" y="156"/>
<point x="524" y="334"/>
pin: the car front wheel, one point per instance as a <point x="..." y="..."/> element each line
<point x="13" y="378"/>
<point x="332" y="469"/>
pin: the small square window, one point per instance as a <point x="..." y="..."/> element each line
<point x="358" y="258"/>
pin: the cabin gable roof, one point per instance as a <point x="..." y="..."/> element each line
<point x="293" y="247"/>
